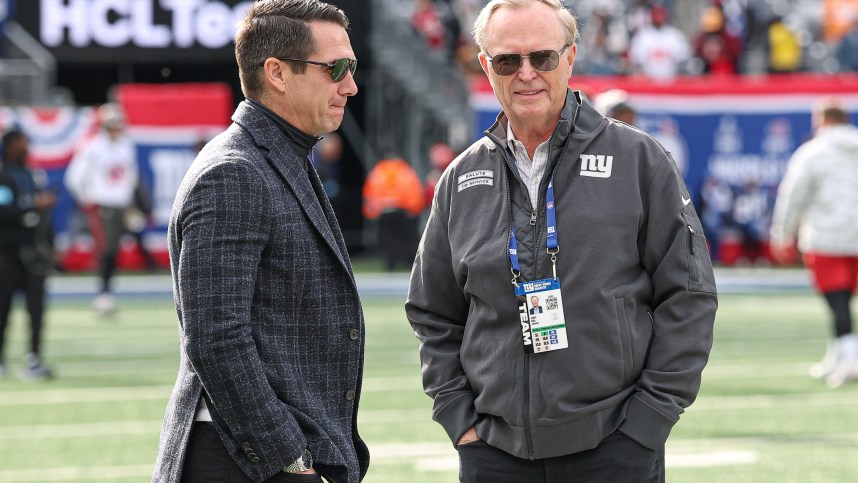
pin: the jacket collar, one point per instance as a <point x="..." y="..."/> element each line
<point x="566" y="125"/>
<point x="302" y="142"/>
<point x="289" y="164"/>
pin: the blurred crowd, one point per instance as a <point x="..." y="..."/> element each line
<point x="661" y="39"/>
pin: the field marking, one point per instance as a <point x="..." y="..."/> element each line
<point x="107" y="428"/>
<point x="104" y="394"/>
<point x="710" y="459"/>
<point x="766" y="401"/>
<point x="85" y="395"/>
<point x="379" y="416"/>
<point x="687" y="444"/>
<point x="137" y="393"/>
<point x="442" y="457"/>
<point x="766" y="370"/>
<point x="77" y="473"/>
<point x="80" y="430"/>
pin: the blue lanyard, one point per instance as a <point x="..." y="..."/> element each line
<point x="550" y="239"/>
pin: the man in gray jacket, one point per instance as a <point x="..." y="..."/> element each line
<point x="270" y="322"/>
<point x="588" y="389"/>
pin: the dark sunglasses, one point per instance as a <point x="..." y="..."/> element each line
<point x="338" y="67"/>
<point x="541" y="60"/>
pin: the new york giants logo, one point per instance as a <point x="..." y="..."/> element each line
<point x="596" y="165"/>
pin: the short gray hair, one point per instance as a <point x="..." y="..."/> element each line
<point x="566" y="17"/>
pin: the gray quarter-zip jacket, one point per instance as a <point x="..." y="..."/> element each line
<point x="638" y="292"/>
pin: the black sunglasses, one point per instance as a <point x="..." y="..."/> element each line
<point x="338" y="67"/>
<point x="541" y="60"/>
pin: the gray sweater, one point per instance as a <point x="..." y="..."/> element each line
<point x="638" y="292"/>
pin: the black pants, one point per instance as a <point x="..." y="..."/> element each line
<point x="207" y="461"/>
<point x="398" y="238"/>
<point x="14" y="276"/>
<point x="618" y="459"/>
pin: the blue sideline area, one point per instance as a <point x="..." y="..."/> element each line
<point x="729" y="280"/>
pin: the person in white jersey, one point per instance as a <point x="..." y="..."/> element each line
<point x="102" y="177"/>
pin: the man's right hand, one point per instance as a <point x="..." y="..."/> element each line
<point x="469" y="437"/>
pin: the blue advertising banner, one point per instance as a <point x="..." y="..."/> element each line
<point x="167" y="124"/>
<point x="731" y="138"/>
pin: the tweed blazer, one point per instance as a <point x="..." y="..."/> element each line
<point x="270" y="323"/>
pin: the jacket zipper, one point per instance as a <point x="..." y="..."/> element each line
<point x="526" y="367"/>
<point x="534" y="220"/>
<point x="693" y="269"/>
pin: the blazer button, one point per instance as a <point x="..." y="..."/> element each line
<point x="245" y="446"/>
<point x="354" y="334"/>
<point x="350" y="395"/>
<point x="253" y="458"/>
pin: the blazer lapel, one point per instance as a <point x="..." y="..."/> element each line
<point x="289" y="166"/>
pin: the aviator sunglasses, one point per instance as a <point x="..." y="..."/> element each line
<point x="338" y="67"/>
<point x="541" y="60"/>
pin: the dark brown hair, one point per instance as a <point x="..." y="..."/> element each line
<point x="278" y="28"/>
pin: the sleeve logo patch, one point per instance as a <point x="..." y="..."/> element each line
<point x="480" y="177"/>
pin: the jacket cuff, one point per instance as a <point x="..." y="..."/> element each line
<point x="645" y="425"/>
<point x="457" y="417"/>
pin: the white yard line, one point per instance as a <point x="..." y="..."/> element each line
<point x="799" y="400"/>
<point x="92" y="473"/>
<point x="79" y="430"/>
<point x="84" y="395"/>
<point x="442" y="457"/>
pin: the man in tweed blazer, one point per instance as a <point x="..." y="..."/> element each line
<point x="270" y="323"/>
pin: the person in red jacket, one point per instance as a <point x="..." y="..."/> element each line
<point x="718" y="50"/>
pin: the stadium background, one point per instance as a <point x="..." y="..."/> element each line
<point x="169" y="62"/>
<point x="62" y="57"/>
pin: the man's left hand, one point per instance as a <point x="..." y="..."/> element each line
<point x="469" y="437"/>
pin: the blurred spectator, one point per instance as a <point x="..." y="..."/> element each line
<point x="784" y="47"/>
<point x="440" y="156"/>
<point x="328" y="161"/>
<point x="638" y="16"/>
<point x="393" y="195"/>
<point x="436" y="24"/>
<point x="717" y="49"/>
<point x="452" y="27"/>
<point x="615" y="103"/>
<point x="102" y="178"/>
<point x="837" y="17"/>
<point x="847" y="49"/>
<point x="7" y="11"/>
<point x="816" y="205"/>
<point x="606" y="40"/>
<point x="751" y="216"/>
<point x="660" y="50"/>
<point x="716" y="206"/>
<point x="736" y="16"/>
<point x="327" y="158"/>
<point x="26" y="246"/>
<point x="137" y="218"/>
<point x="466" y="50"/>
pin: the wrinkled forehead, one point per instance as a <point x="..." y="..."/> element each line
<point x="536" y="27"/>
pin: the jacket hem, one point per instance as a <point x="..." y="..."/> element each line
<point x="457" y="417"/>
<point x="645" y="425"/>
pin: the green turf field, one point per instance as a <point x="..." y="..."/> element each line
<point x="759" y="417"/>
